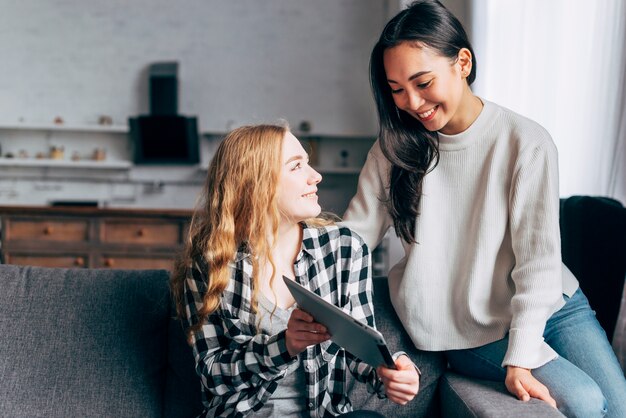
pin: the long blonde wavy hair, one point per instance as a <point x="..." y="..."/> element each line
<point x="237" y="206"/>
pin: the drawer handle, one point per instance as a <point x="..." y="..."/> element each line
<point x="141" y="232"/>
<point x="109" y="262"/>
<point x="47" y="230"/>
<point x="79" y="262"/>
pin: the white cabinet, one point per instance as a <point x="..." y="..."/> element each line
<point x="26" y="146"/>
<point x="51" y="127"/>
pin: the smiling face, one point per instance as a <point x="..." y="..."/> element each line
<point x="431" y="87"/>
<point x="297" y="184"/>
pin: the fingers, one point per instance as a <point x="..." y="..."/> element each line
<point x="402" y="384"/>
<point x="400" y="393"/>
<point x="300" y="315"/>
<point x="513" y="382"/>
<point x="404" y="363"/>
<point x="541" y="392"/>
<point x="519" y="391"/>
<point x="303" y="331"/>
<point x="300" y="321"/>
<point x="521" y="383"/>
<point x="401" y="398"/>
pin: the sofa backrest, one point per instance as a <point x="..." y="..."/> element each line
<point x="593" y="241"/>
<point x="82" y="343"/>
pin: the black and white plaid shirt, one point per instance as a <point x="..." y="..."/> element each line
<point x="240" y="368"/>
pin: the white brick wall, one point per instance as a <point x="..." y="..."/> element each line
<point x="240" y="61"/>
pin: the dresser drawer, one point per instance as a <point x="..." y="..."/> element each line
<point x="129" y="232"/>
<point x="136" y="263"/>
<point x="46" y="230"/>
<point x="45" y="260"/>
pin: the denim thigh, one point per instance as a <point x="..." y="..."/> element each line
<point x="575" y="333"/>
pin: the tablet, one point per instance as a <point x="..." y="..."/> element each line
<point x="356" y="337"/>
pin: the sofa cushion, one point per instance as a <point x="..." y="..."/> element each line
<point x="431" y="364"/>
<point x="82" y="343"/>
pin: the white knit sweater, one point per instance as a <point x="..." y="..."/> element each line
<point x="488" y="254"/>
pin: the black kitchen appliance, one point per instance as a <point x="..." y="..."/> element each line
<point x="164" y="136"/>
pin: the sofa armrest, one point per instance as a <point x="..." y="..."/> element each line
<point x="462" y="397"/>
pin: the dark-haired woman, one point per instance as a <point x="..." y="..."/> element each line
<point x="471" y="188"/>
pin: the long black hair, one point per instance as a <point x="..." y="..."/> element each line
<point x="412" y="150"/>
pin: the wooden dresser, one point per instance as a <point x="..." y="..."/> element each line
<point x="92" y="237"/>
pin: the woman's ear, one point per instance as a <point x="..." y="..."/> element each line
<point x="464" y="62"/>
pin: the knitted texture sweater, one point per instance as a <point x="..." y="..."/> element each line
<point x="487" y="261"/>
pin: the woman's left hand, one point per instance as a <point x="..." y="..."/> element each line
<point x="402" y="384"/>
<point x="521" y="383"/>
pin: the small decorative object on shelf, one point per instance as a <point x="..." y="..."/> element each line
<point x="22" y="154"/>
<point x="344" y="158"/>
<point x="305" y="126"/>
<point x="99" y="154"/>
<point x="58" y="120"/>
<point x="105" y="120"/>
<point x="40" y="155"/>
<point x="75" y="156"/>
<point x="57" y="153"/>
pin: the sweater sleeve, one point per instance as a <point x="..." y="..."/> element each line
<point x="367" y="213"/>
<point x="534" y="225"/>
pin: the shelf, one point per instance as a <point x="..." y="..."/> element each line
<point x="48" y="163"/>
<point x="321" y="170"/>
<point x="338" y="170"/>
<point x="307" y="136"/>
<point x="65" y="128"/>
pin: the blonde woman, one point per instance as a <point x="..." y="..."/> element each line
<point x="256" y="353"/>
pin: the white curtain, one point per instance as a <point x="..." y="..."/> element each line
<point x="561" y="63"/>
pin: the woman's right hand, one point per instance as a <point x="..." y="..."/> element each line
<point x="521" y="383"/>
<point x="303" y="331"/>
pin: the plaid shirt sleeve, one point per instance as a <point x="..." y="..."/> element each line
<point x="360" y="294"/>
<point x="230" y="355"/>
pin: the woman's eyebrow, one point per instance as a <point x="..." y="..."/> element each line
<point x="295" y="157"/>
<point x="413" y="77"/>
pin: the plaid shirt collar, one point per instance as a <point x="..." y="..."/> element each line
<point x="309" y="234"/>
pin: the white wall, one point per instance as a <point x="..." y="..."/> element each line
<point x="240" y="60"/>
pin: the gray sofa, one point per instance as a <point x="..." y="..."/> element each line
<point x="104" y="343"/>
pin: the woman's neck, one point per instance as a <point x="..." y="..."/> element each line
<point x="285" y="250"/>
<point x="468" y="112"/>
<point x="287" y="246"/>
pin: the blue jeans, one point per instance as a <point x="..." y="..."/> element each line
<point x="586" y="379"/>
